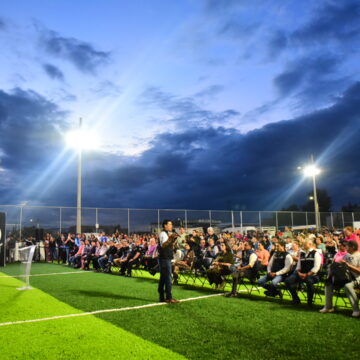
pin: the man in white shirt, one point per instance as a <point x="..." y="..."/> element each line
<point x="279" y="266"/>
<point x="306" y="271"/>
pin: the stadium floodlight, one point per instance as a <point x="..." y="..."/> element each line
<point x="26" y="256"/>
<point x="81" y="140"/>
<point x="312" y="171"/>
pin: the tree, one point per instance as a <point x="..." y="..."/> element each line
<point x="324" y="201"/>
<point x="350" y="208"/>
<point x="293" y="207"/>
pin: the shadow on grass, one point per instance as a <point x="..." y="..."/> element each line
<point x="108" y="295"/>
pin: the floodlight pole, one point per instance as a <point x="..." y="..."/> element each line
<point x="79" y="184"/>
<point x="316" y="203"/>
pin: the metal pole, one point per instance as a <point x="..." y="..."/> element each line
<point x="232" y="219"/>
<point x="20" y="220"/>
<point x="158" y="221"/>
<point x="60" y="219"/>
<point x="209" y="217"/>
<point x="292" y="219"/>
<point x="332" y="219"/>
<point x="353" y="220"/>
<point x="260" y="221"/>
<point x="128" y="222"/>
<point x="96" y="220"/>
<point x="241" y="222"/>
<point x="343" y="221"/>
<point x="307" y="221"/>
<point x="79" y="186"/>
<point x="317" y="215"/>
<point x="277" y="220"/>
<point x="186" y="224"/>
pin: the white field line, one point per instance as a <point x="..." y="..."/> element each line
<point x="106" y="311"/>
<point x="48" y="274"/>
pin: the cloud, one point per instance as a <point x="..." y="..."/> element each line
<point x="107" y="88"/>
<point x="210" y="91"/>
<point x="198" y="167"/>
<point x="334" y="21"/>
<point x="313" y="78"/>
<point x="185" y="111"/>
<point x="83" y="55"/>
<point x="2" y="24"/>
<point x="29" y="126"/>
<point x="332" y="24"/>
<point x="53" y="72"/>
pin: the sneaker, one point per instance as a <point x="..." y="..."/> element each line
<point x="356" y="314"/>
<point x="325" y="310"/>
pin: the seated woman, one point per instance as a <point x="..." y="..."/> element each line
<point x="186" y="263"/>
<point x="150" y="258"/>
<point x="221" y="266"/>
<point x="263" y="257"/>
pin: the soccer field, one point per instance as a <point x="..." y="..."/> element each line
<point x="207" y="326"/>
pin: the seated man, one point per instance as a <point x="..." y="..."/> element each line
<point x="106" y="260"/>
<point x="75" y="260"/>
<point x="133" y="258"/>
<point x="248" y="269"/>
<point x="352" y="261"/>
<point x="279" y="266"/>
<point x="306" y="271"/>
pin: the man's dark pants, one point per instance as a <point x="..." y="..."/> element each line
<point x="165" y="281"/>
<point x="292" y="281"/>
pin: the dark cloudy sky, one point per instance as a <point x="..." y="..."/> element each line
<point x="205" y="104"/>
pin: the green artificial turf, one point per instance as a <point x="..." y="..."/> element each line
<point x="212" y="328"/>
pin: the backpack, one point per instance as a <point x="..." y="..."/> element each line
<point x="340" y="275"/>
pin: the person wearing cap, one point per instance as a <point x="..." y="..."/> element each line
<point x="352" y="261"/>
<point x="306" y="271"/>
<point x="279" y="266"/>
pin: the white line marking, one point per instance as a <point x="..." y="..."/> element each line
<point x="104" y="311"/>
<point x="48" y="274"/>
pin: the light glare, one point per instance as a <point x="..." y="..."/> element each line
<point x="82" y="140"/>
<point x="311" y="170"/>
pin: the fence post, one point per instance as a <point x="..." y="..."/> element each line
<point x="307" y="221"/>
<point x="96" y="220"/>
<point x="232" y="219"/>
<point x="277" y="221"/>
<point x="158" y="221"/>
<point x="292" y="219"/>
<point x="260" y="221"/>
<point x="128" y="222"/>
<point x="353" y="219"/>
<point x="60" y="219"/>
<point x="343" y="221"/>
<point x="332" y="219"/>
<point x="186" y="225"/>
<point x="20" y="221"/>
<point x="241" y="221"/>
<point x="210" y="217"/>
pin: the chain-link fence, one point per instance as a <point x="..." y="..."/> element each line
<point x="25" y="221"/>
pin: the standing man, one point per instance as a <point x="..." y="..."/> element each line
<point x="166" y="253"/>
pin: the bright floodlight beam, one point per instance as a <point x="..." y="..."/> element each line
<point x="312" y="171"/>
<point x="81" y="140"/>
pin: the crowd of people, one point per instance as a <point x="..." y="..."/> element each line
<point x="284" y="261"/>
